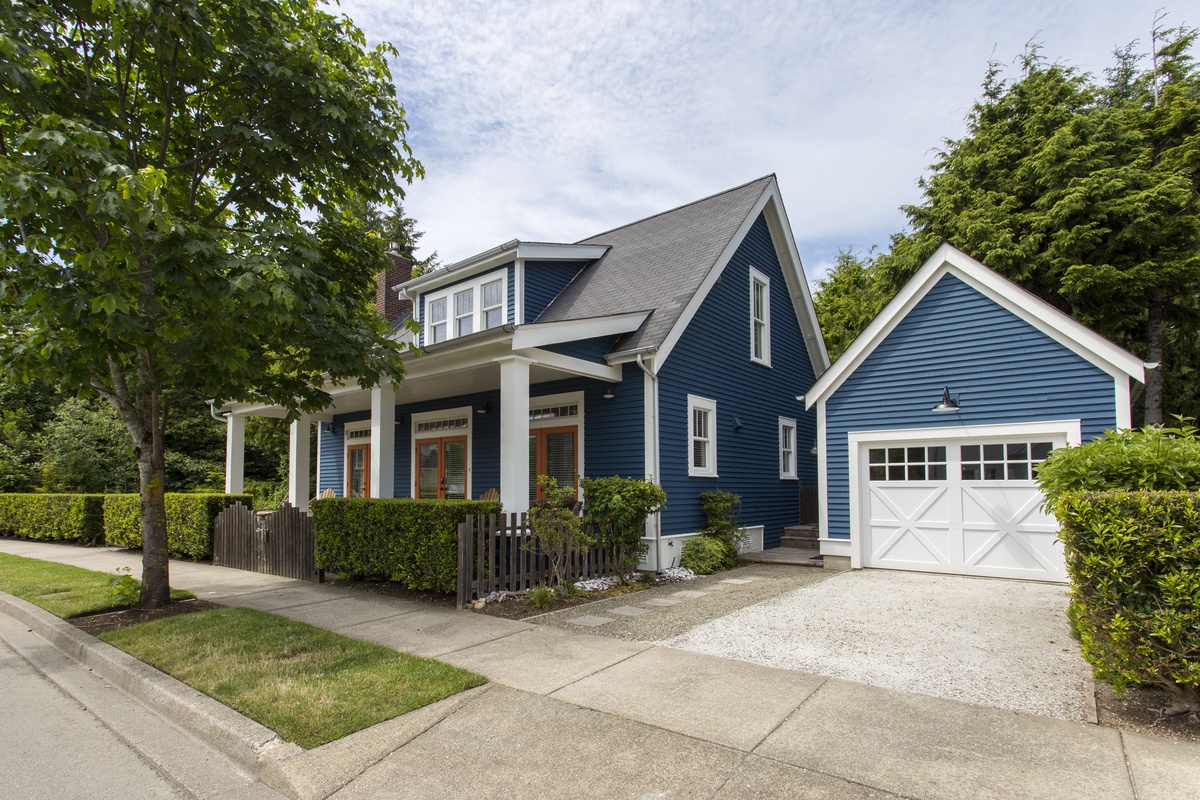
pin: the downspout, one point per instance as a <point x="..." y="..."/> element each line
<point x="656" y="534"/>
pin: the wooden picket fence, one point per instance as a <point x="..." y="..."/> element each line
<point x="279" y="543"/>
<point x="497" y="553"/>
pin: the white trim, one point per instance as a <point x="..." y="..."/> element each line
<point x="822" y="472"/>
<point x="1124" y="410"/>
<point x="502" y="254"/>
<point x="564" y="399"/>
<point x="518" y="292"/>
<point x="769" y="203"/>
<point x="451" y="293"/>
<point x="695" y="403"/>
<point x="541" y="334"/>
<point x="793" y="473"/>
<point x="757" y="277"/>
<point x="575" y="366"/>
<point x="1072" y="335"/>
<point x="1068" y="428"/>
<point x="429" y="416"/>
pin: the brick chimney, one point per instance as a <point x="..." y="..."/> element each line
<point x="387" y="300"/>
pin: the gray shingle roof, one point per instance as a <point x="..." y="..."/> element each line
<point x="656" y="264"/>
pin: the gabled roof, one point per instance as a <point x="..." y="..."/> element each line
<point x="666" y="263"/>
<point x="948" y="259"/>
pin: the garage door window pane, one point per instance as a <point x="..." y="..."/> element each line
<point x="896" y="473"/>
<point x="937" y="454"/>
<point x="970" y="472"/>
<point x="916" y="472"/>
<point x="1018" y="472"/>
<point x="1012" y="461"/>
<point x="1018" y="452"/>
<point x="937" y="472"/>
<point x="878" y="456"/>
<point x="1039" y="450"/>
<point x="970" y="452"/>
<point x="907" y="463"/>
<point x="895" y="455"/>
<point x="878" y="473"/>
<point x="993" y="452"/>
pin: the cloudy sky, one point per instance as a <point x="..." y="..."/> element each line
<point x="552" y="121"/>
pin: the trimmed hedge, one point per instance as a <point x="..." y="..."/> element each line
<point x="63" y="517"/>
<point x="708" y="553"/>
<point x="412" y="542"/>
<point x="190" y="520"/>
<point x="1134" y="561"/>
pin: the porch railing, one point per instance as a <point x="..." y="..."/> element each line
<point x="498" y="553"/>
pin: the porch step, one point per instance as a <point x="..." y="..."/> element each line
<point x="804" y="537"/>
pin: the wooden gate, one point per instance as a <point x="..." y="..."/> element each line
<point x="277" y="543"/>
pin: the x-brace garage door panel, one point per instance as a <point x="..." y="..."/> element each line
<point x="968" y="507"/>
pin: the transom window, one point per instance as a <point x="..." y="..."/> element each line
<point x="443" y="425"/>
<point x="554" y="412"/>
<point x="702" y="419"/>
<point x="361" y="433"/>
<point x="760" y="318"/>
<point x="907" y="463"/>
<point x="1012" y="461"/>
<point x="466" y="308"/>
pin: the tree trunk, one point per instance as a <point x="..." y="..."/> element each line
<point x="1154" y="355"/>
<point x="156" y="585"/>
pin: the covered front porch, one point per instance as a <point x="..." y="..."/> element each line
<point x="472" y="416"/>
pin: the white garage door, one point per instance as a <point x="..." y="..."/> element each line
<point x="968" y="507"/>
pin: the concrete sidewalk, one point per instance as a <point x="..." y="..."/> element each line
<point x="588" y="716"/>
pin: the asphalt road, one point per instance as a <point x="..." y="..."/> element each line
<point x="52" y="748"/>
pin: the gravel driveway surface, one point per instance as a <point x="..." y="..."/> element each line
<point x="998" y="643"/>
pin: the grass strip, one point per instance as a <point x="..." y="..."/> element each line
<point x="63" y="590"/>
<point x="309" y="685"/>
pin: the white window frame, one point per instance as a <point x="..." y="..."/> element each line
<point x="445" y="320"/>
<point x="432" y="416"/>
<point x="469" y="317"/>
<point x="347" y="442"/>
<point x="484" y="309"/>
<point x="702" y="404"/>
<point x="756" y="279"/>
<point x="478" y="318"/>
<point x="787" y="472"/>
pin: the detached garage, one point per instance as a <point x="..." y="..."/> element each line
<point x="932" y="424"/>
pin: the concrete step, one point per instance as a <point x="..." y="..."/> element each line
<point x="805" y="537"/>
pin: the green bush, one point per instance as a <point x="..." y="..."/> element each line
<point x="190" y="520"/>
<point x="706" y="554"/>
<point x="63" y="517"/>
<point x="1134" y="562"/>
<point x="1154" y="458"/>
<point x="413" y="542"/>
<point x="615" y="511"/>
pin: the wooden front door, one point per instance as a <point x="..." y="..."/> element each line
<point x="442" y="468"/>
<point x="358" y="470"/>
<point x="553" y="452"/>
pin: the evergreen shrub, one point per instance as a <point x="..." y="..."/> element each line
<point x="190" y="519"/>
<point x="412" y="542"/>
<point x="1134" y="562"/>
<point x="707" y="554"/>
<point x="59" y="517"/>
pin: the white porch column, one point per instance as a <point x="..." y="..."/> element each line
<point x="298" y="463"/>
<point x="383" y="440"/>
<point x="235" y="454"/>
<point x="514" y="434"/>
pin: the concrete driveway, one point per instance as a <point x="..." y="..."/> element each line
<point x="999" y="643"/>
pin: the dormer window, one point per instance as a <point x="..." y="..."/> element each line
<point x="466" y="308"/>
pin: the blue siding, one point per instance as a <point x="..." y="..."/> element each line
<point x="1000" y="368"/>
<point x="612" y="434"/>
<point x="332" y="460"/>
<point x="587" y="349"/>
<point x="712" y="360"/>
<point x="543" y="281"/>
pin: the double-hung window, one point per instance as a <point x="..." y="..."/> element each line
<point x="702" y="437"/>
<point x="787" y="448"/>
<point x="437" y="320"/>
<point x="464" y="312"/>
<point x="493" y="304"/>
<point x="760" y="318"/>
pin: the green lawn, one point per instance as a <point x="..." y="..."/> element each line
<point x="308" y="685"/>
<point x="62" y="590"/>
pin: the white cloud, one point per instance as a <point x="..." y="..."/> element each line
<point x="554" y="121"/>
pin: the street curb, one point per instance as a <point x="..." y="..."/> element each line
<point x="249" y="744"/>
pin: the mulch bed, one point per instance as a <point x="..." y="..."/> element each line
<point x="96" y="624"/>
<point x="519" y="607"/>
<point x="1140" y="710"/>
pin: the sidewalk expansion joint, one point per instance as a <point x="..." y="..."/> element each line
<point x="790" y="714"/>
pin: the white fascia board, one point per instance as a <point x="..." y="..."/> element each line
<point x="1073" y="335"/>
<point x="253" y="410"/>
<point x="793" y="274"/>
<point x="1069" y="428"/>
<point x="501" y="254"/>
<point x="574" y="366"/>
<point x="697" y="299"/>
<point x="540" y="334"/>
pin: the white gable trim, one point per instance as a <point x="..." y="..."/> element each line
<point x="1074" y="336"/>
<point x="541" y="334"/>
<point x="502" y="254"/>
<point x="789" y="263"/>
